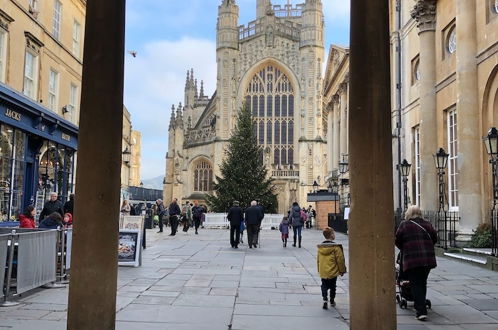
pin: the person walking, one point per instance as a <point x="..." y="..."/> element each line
<point x="197" y="212"/>
<point x="330" y="263"/>
<point x="284" y="230"/>
<point x="236" y="217"/>
<point x="51" y="206"/>
<point x="416" y="238"/>
<point x="297" y="222"/>
<point x="27" y="218"/>
<point x="253" y="218"/>
<point x="125" y="208"/>
<point x="174" y="212"/>
<point x="160" y="211"/>
<point x="187" y="216"/>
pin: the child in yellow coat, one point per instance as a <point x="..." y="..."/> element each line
<point x="331" y="263"/>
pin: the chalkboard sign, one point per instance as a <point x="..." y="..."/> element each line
<point x="129" y="247"/>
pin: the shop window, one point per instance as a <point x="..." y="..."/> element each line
<point x="57" y="20"/>
<point x="53" y="90"/>
<point x="76" y="39"/>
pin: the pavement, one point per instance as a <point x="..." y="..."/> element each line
<point x="200" y="282"/>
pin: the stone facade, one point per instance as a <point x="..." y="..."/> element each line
<point x="273" y="65"/>
<point x="447" y="94"/>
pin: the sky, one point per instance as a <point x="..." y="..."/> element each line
<point x="172" y="36"/>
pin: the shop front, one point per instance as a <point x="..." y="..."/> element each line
<point x="37" y="154"/>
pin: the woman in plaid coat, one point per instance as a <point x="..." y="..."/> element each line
<point x="416" y="238"/>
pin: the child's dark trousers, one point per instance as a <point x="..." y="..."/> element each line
<point x="329" y="284"/>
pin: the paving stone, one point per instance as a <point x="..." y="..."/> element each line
<point x="482" y="304"/>
<point x="204" y="301"/>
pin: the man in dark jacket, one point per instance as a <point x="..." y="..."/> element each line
<point x="197" y="212"/>
<point x="415" y="238"/>
<point x="51" y="206"/>
<point x="174" y="212"/>
<point x="253" y="217"/>
<point x="235" y="216"/>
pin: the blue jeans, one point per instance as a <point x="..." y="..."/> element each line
<point x="297" y="231"/>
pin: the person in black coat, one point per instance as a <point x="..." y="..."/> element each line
<point x="53" y="221"/>
<point x="174" y="212"/>
<point x="253" y="217"/>
<point x="235" y="216"/>
<point x="69" y="205"/>
<point x="53" y="205"/>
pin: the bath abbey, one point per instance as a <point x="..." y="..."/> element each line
<point x="273" y="65"/>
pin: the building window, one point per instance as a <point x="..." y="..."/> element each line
<point x="415" y="70"/>
<point x="76" y="38"/>
<point x="275" y="117"/>
<point x="416" y="135"/>
<point x="73" y="101"/>
<point x="451" y="43"/>
<point x="494" y="6"/>
<point x="203" y="177"/>
<point x="57" y="19"/>
<point x="30" y="75"/>
<point x="452" y="161"/>
<point x="3" y="54"/>
<point x="53" y="88"/>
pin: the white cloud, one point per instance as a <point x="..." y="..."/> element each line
<point x="155" y="80"/>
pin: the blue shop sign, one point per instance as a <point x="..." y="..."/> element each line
<point x="21" y="112"/>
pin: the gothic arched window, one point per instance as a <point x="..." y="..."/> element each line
<point x="203" y="176"/>
<point x="274" y="86"/>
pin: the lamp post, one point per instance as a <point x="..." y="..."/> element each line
<point x="441" y="161"/>
<point x="333" y="188"/>
<point x="405" y="172"/>
<point x="491" y="143"/>
<point x="126" y="156"/>
<point x="315" y="187"/>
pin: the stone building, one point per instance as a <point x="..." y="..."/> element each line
<point x="136" y="158"/>
<point x="273" y="65"/>
<point x="41" y="50"/>
<point x="444" y="95"/>
<point x="131" y="146"/>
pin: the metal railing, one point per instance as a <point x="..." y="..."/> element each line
<point x="32" y="258"/>
<point x="445" y="223"/>
<point x="494" y="231"/>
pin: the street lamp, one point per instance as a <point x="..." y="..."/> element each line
<point x="315" y="187"/>
<point x="405" y="172"/>
<point x="126" y="156"/>
<point x="491" y="143"/>
<point x="441" y="161"/>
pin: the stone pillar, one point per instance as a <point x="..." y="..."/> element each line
<point x="330" y="140"/>
<point x="371" y="224"/>
<point x="425" y="14"/>
<point x="337" y="131"/>
<point x="92" y="291"/>
<point x="344" y="120"/>
<point x="468" y="114"/>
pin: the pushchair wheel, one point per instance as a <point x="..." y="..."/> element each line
<point x="403" y="304"/>
<point x="428" y="303"/>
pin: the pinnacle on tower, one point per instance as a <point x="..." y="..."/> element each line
<point x="188" y="79"/>
<point x="192" y="77"/>
<point x="172" y="119"/>
<point x="262" y="7"/>
<point x="179" y="111"/>
<point x="202" y="89"/>
<point x="196" y="89"/>
<point x="228" y="2"/>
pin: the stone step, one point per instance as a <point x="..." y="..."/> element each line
<point x="467" y="258"/>
<point x="478" y="251"/>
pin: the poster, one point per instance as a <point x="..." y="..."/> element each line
<point x="129" y="247"/>
<point x="132" y="222"/>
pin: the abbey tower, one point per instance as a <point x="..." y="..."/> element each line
<point x="273" y="65"/>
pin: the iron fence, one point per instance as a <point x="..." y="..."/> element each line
<point x="445" y="223"/>
<point x="494" y="231"/>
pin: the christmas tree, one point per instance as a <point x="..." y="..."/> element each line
<point x="244" y="177"/>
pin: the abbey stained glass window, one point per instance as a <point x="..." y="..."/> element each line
<point x="270" y="96"/>
<point x="203" y="177"/>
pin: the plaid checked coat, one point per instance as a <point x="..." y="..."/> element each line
<point x="416" y="244"/>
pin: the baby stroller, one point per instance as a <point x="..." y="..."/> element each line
<point x="404" y="290"/>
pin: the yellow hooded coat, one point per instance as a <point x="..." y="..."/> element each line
<point x="330" y="260"/>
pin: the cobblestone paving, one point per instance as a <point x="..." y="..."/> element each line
<point x="199" y="282"/>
